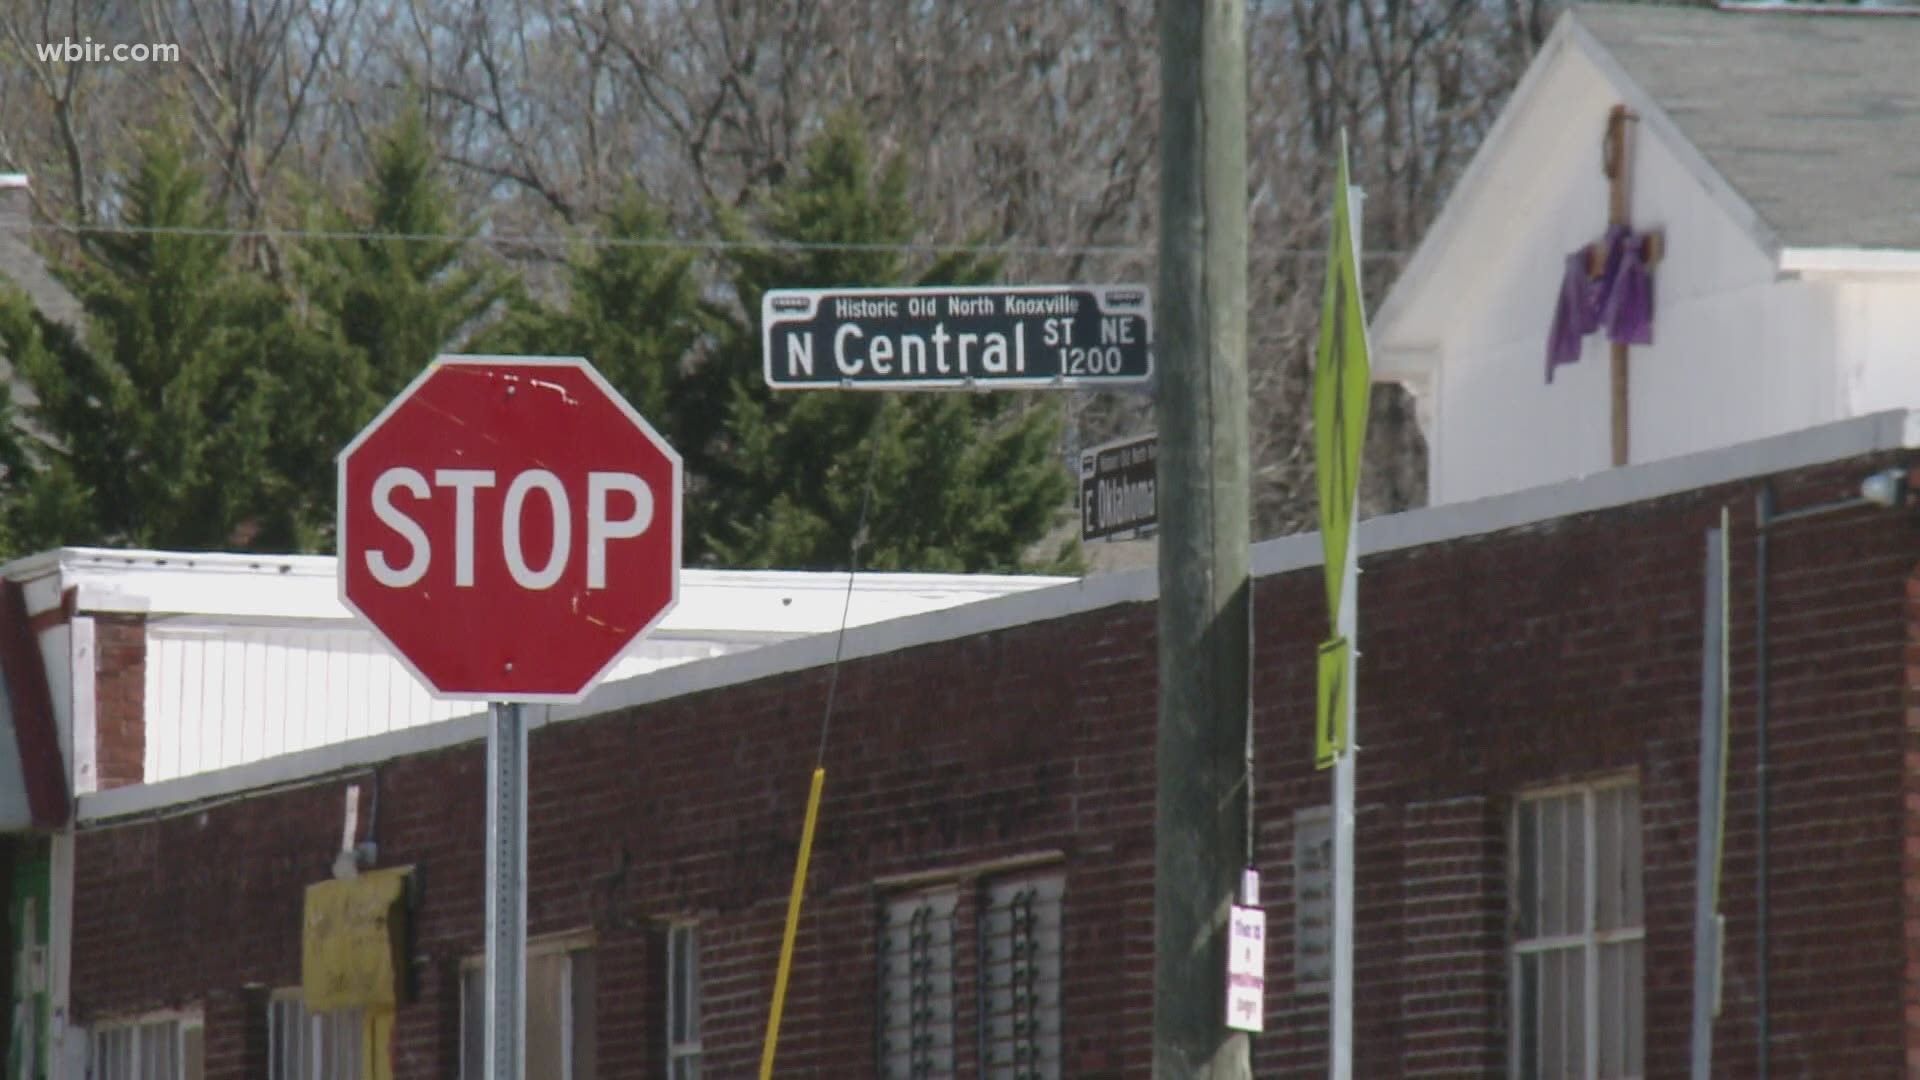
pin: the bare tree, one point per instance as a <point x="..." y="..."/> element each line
<point x="1031" y="128"/>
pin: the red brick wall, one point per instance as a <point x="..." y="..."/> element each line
<point x="1492" y="664"/>
<point x="1910" y="852"/>
<point x="236" y="1031"/>
<point x="120" y="689"/>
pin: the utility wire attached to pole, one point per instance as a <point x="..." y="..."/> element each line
<point x="859" y="538"/>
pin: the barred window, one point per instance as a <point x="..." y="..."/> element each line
<point x="917" y="943"/>
<point x="1579" y="935"/>
<point x="302" y="1045"/>
<point x="1020" y="971"/>
<point x="559" y="1005"/>
<point x="152" y="1048"/>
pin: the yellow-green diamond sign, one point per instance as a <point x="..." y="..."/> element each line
<point x="1330" y="712"/>
<point x="1342" y="378"/>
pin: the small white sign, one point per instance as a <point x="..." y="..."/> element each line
<point x="1246" y="968"/>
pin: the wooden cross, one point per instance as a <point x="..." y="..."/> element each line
<point x="1614" y="147"/>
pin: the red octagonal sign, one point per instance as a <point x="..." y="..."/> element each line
<point x="510" y="525"/>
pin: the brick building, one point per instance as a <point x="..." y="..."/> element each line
<point x="981" y="891"/>
<point x="173" y="677"/>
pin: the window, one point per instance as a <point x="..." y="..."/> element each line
<point x="1579" y="930"/>
<point x="153" y="1048"/>
<point x="313" y="1046"/>
<point x="560" y="1013"/>
<point x="916" y="986"/>
<point x="1020" y="970"/>
<point x="1012" y="925"/>
<point x="683" y="1001"/>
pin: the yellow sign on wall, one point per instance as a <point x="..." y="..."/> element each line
<point x="354" y="941"/>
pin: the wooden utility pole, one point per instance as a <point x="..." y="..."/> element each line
<point x="1202" y="829"/>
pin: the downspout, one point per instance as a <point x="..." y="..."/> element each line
<point x="1763" y="513"/>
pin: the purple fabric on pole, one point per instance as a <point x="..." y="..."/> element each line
<point x="1628" y="315"/>
<point x="1572" y="316"/>
<point x="1620" y="299"/>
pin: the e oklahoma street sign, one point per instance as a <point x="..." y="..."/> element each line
<point x="509" y="525"/>
<point x="1117" y="487"/>
<point x="879" y="339"/>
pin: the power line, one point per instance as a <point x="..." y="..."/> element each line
<point x="853" y="567"/>
<point x="661" y="243"/>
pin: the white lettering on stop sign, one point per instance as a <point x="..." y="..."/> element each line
<point x="601" y="528"/>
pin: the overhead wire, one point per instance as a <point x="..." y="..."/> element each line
<point x="669" y="243"/>
<point x="853" y="567"/>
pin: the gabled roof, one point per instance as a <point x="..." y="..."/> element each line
<point x="1814" y="118"/>
<point x="1804" y="128"/>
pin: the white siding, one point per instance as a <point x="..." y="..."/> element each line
<point x="218" y="696"/>
<point x="1879" y="345"/>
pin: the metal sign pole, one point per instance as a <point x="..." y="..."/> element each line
<point x="1340" y="1007"/>
<point x="506" y="1057"/>
<point x="1345" y="770"/>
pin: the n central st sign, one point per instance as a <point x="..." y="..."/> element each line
<point x="957" y="337"/>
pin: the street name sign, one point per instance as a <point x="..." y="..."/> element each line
<point x="509" y="525"/>
<point x="1117" y="487"/>
<point x="957" y="337"/>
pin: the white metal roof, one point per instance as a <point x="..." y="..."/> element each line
<point x="250" y="657"/>
<point x="728" y="605"/>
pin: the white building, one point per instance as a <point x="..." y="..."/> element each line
<point x="1777" y="151"/>
<point x="243" y="658"/>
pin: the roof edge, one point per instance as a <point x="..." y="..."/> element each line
<point x="1895" y="429"/>
<point x="1810" y="7"/>
<point x="1440" y="233"/>
<point x="1809" y="262"/>
<point x="1656" y="118"/>
<point x="79" y="559"/>
<point x="1568" y="32"/>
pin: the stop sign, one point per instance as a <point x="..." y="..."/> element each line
<point x="509" y="525"/>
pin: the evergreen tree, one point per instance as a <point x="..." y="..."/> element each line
<point x="40" y="498"/>
<point x="633" y="309"/>
<point x="153" y="430"/>
<point x="399" y="284"/>
<point x="960" y="482"/>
